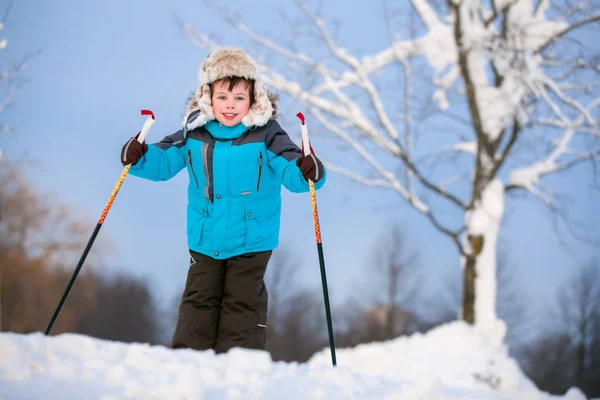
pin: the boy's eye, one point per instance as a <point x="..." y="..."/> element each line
<point x="240" y="98"/>
<point x="221" y="97"/>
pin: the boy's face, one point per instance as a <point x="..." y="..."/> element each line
<point x="230" y="106"/>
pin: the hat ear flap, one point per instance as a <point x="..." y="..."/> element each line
<point x="261" y="111"/>
<point x="202" y="101"/>
<point x="206" y="103"/>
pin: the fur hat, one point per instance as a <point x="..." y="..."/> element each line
<point x="225" y="63"/>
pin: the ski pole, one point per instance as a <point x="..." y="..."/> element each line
<point x="313" y="199"/>
<point x="147" y="124"/>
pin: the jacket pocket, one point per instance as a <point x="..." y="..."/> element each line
<point x="260" y="164"/>
<point x="191" y="164"/>
<point x="262" y="221"/>
<point x="196" y="225"/>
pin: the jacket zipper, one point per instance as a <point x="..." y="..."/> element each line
<point x="192" y="166"/>
<point x="260" y="162"/>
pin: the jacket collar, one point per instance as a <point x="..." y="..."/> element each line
<point x="220" y="131"/>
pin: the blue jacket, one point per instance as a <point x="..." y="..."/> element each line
<point x="234" y="193"/>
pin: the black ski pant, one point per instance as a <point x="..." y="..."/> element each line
<point x="224" y="303"/>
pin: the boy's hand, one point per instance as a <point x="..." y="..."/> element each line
<point x="132" y="151"/>
<point x="311" y="167"/>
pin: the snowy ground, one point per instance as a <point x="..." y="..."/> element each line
<point x="450" y="362"/>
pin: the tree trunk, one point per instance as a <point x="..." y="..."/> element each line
<point x="468" y="302"/>
<point x="479" y="267"/>
<point x="580" y="354"/>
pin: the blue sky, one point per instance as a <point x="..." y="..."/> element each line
<point x="102" y="62"/>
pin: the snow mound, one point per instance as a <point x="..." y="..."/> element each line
<point x="450" y="362"/>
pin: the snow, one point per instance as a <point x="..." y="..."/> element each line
<point x="484" y="220"/>
<point x="513" y="58"/>
<point x="439" y="48"/>
<point x="466" y="147"/>
<point x="449" y="362"/>
<point x="530" y="176"/>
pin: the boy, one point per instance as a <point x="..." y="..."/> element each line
<point x="237" y="157"/>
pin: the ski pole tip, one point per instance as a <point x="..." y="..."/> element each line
<point x="301" y="116"/>
<point x="148" y="112"/>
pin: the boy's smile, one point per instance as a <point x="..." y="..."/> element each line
<point x="230" y="106"/>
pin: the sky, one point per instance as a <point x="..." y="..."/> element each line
<point x="102" y="62"/>
<point x="443" y="364"/>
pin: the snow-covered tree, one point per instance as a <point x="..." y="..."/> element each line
<point x="514" y="77"/>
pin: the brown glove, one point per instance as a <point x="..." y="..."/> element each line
<point x="132" y="151"/>
<point x="311" y="167"/>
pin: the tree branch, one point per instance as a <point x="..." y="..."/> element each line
<point x="338" y="52"/>
<point x="352" y="115"/>
<point x="244" y="30"/>
<point x="387" y="175"/>
<point x="564" y="31"/>
<point x="431" y="186"/>
<point x="528" y="177"/>
<point x="455" y="236"/>
<point x="516" y="129"/>
<point x="269" y="44"/>
<point x="362" y="77"/>
<point x="427" y="14"/>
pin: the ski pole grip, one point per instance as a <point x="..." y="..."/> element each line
<point x="147" y="125"/>
<point x="304" y="131"/>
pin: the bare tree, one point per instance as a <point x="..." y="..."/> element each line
<point x="296" y="318"/>
<point x="394" y="268"/>
<point x="124" y="311"/>
<point x="547" y="362"/>
<point x="567" y="352"/>
<point x="281" y="280"/>
<point x="356" y="324"/>
<point x="297" y="331"/>
<point x="38" y="225"/>
<point x="38" y="238"/>
<point x="513" y="88"/>
<point x="515" y="304"/>
<point x="579" y="309"/>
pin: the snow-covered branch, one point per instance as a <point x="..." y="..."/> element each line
<point x="530" y="176"/>
<point x="568" y="100"/>
<point x="198" y="39"/>
<point x="437" y="46"/>
<point x="339" y="52"/>
<point x="566" y="29"/>
<point x="388" y="176"/>
<point x="408" y="128"/>
<point x="585" y="87"/>
<point x="362" y="77"/>
<point x="554" y="123"/>
<point x="427" y="14"/>
<point x="357" y="178"/>
<point x="269" y="44"/>
<point x="351" y="113"/>
<point x="396" y="186"/>
<point x="461" y="147"/>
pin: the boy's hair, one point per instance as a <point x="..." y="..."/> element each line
<point x="234" y="81"/>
